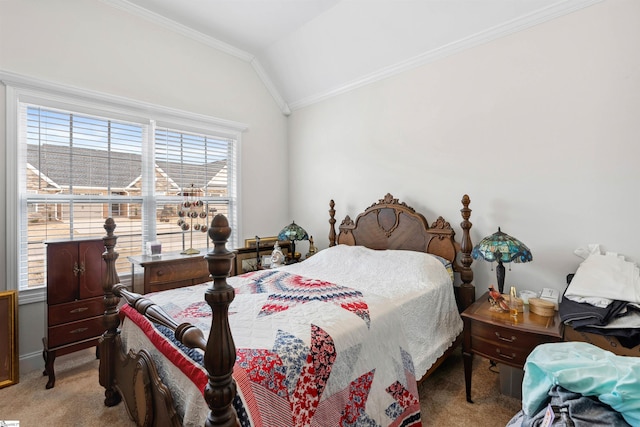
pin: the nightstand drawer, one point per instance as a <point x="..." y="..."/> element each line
<point x="505" y="336"/>
<point x="500" y="352"/>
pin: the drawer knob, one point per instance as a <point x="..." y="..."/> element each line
<point x="500" y="337"/>
<point x="505" y="356"/>
<point x="160" y="273"/>
<point x="78" y="310"/>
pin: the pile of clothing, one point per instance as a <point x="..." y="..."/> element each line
<point x="603" y="296"/>
<point x="579" y="385"/>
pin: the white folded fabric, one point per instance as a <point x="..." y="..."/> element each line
<point x="602" y="278"/>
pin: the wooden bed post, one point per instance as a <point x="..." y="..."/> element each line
<point x="467" y="289"/>
<point x="220" y="354"/>
<point x="107" y="343"/>
<point x="332" y="223"/>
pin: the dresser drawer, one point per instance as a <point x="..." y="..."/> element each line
<point x="75" y="331"/>
<point x="504" y="344"/>
<point x="76" y="310"/>
<point x="176" y="272"/>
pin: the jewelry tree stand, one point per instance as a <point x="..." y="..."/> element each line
<point x="189" y="210"/>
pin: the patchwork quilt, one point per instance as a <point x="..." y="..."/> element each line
<point x="310" y="351"/>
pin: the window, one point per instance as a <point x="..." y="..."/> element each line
<point x="161" y="177"/>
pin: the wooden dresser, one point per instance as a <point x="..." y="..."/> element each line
<point x="167" y="271"/>
<point x="153" y="273"/>
<point x="75" y="270"/>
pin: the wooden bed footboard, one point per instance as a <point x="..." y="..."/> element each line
<point x="133" y="376"/>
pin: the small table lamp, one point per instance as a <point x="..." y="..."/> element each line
<point x="501" y="248"/>
<point x="293" y="232"/>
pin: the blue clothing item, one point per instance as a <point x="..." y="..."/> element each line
<point x="586" y="369"/>
<point x="571" y="410"/>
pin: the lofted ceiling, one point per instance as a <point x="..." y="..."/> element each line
<point x="308" y="50"/>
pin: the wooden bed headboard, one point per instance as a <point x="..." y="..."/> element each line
<point x="391" y="224"/>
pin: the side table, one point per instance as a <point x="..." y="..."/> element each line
<point x="501" y="338"/>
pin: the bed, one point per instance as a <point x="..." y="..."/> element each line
<point x="342" y="338"/>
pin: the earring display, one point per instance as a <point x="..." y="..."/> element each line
<point x="192" y="209"/>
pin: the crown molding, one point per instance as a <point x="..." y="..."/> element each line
<point x="561" y="8"/>
<point x="204" y="39"/>
<point x="543" y="15"/>
<point x="262" y="74"/>
<point x="179" y="28"/>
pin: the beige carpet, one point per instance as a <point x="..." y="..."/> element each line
<point x="77" y="398"/>
<point x="443" y="398"/>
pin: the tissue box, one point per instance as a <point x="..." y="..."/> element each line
<point x="551" y="295"/>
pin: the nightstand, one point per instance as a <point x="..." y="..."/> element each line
<point x="503" y="339"/>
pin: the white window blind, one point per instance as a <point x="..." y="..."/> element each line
<point x="77" y="169"/>
<point x="193" y="184"/>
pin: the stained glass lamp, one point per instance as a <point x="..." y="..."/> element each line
<point x="293" y="232"/>
<point x="501" y="248"/>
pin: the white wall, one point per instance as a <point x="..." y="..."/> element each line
<point x="91" y="45"/>
<point x="540" y="128"/>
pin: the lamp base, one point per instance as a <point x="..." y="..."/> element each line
<point x="500" y="276"/>
<point x="293" y="258"/>
<point x="190" y="251"/>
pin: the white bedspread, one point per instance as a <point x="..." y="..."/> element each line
<point x="410" y="304"/>
<point x="417" y="283"/>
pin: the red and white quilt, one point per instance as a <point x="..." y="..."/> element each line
<point x="311" y="350"/>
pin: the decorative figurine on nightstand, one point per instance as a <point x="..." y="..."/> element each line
<point x="277" y="257"/>
<point x="497" y="301"/>
<point x="312" y="248"/>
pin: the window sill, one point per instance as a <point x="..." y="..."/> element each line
<point x="30" y="296"/>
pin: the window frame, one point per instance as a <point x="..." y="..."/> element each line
<point x="20" y="89"/>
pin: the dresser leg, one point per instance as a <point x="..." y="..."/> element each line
<point x="44" y="357"/>
<point x="50" y="357"/>
<point x="468" y="365"/>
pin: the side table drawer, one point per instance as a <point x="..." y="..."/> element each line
<point x="504" y="344"/>
<point x="500" y="352"/>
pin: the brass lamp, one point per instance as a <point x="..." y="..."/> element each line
<point x="501" y="248"/>
<point x="293" y="232"/>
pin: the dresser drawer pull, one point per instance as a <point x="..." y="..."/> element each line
<point x="79" y="310"/>
<point x="159" y="273"/>
<point x="77" y="331"/>
<point x="505" y="356"/>
<point x="512" y="339"/>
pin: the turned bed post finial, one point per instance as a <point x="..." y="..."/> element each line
<point x="467" y="290"/>
<point x="107" y="343"/>
<point x="220" y="355"/>
<point x="332" y="223"/>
